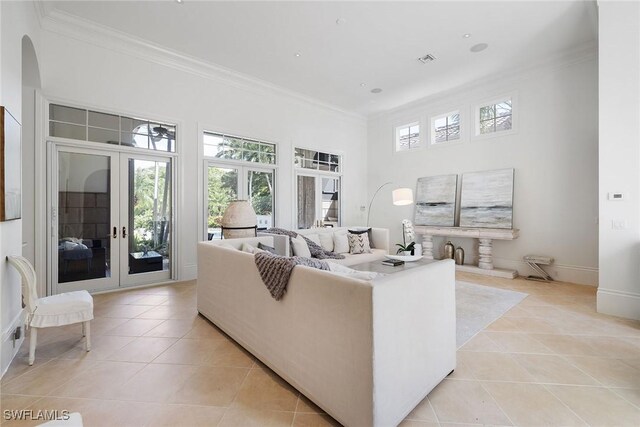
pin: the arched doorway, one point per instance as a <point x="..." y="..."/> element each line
<point x="30" y="90"/>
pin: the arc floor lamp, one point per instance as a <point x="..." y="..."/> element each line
<point x="401" y="197"/>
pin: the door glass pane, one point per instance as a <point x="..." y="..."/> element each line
<point x="84" y="224"/>
<point x="222" y="188"/>
<point x="331" y="201"/>
<point x="149" y="230"/>
<point x="306" y="201"/>
<point x="260" y="191"/>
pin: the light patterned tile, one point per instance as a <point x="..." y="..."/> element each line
<point x="263" y="389"/>
<point x="553" y="369"/>
<point x="496" y="367"/>
<point x="610" y="372"/>
<point x="458" y="401"/>
<point x="517" y="400"/>
<point x="249" y="417"/>
<point x="597" y="406"/>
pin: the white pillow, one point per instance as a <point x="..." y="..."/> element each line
<point x="340" y="243"/>
<point x="300" y="247"/>
<point x="314" y="238"/>
<point x="350" y="272"/>
<point x="250" y="249"/>
<point x="359" y="243"/>
<point x="226" y="245"/>
<point x="326" y="241"/>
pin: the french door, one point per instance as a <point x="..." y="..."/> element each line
<point x="111" y="219"/>
<point x="225" y="183"/>
<point x="317" y="199"/>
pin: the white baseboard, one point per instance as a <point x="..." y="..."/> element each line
<point x="7" y="347"/>
<point x="618" y="303"/>
<point x="563" y="273"/>
<point x="189" y="272"/>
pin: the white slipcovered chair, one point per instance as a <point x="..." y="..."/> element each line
<point x="55" y="310"/>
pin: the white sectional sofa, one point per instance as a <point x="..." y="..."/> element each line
<point x="379" y="242"/>
<point x="367" y="352"/>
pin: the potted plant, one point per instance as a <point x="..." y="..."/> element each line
<point x="407" y="234"/>
<point x="405" y="250"/>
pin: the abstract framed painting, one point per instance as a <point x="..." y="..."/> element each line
<point x="436" y="200"/>
<point x="10" y="167"/>
<point x="486" y="199"/>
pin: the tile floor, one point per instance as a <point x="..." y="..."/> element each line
<point x="551" y="360"/>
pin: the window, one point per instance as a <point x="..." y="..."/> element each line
<point x="94" y="126"/>
<point x="318" y="177"/>
<point x="407" y="137"/>
<point x="235" y="148"/>
<point x="316" y="160"/>
<point x="238" y="168"/>
<point x="445" y="128"/>
<point x="494" y="117"/>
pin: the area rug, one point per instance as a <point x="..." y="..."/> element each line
<point x="478" y="306"/>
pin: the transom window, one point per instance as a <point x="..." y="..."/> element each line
<point x="94" y="126"/>
<point x="495" y="117"/>
<point x="407" y="137"/>
<point x="235" y="148"/>
<point x="445" y="128"/>
<point x="317" y="160"/>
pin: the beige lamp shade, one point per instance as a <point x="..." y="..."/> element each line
<point x="402" y="196"/>
<point x="239" y="220"/>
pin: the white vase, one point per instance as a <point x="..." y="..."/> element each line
<point x="239" y="213"/>
<point x="417" y="249"/>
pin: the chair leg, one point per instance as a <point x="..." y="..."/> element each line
<point x="32" y="345"/>
<point x="86" y="326"/>
<point x="84" y="333"/>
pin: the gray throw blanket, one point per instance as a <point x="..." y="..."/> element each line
<point x="316" y="250"/>
<point x="275" y="270"/>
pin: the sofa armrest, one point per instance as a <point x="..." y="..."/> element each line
<point x="380" y="238"/>
<point x="280" y="243"/>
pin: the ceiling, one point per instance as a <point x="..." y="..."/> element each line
<point x="342" y="45"/>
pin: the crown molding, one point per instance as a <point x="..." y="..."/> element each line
<point x="65" y="24"/>
<point x="580" y="53"/>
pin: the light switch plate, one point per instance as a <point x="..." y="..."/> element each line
<point x="615" y="196"/>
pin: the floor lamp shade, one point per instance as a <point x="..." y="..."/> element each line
<point x="402" y="196"/>
<point x="239" y="220"/>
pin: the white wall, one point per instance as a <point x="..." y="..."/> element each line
<point x="553" y="151"/>
<point x="619" y="51"/>
<point x="102" y="78"/>
<point x="17" y="19"/>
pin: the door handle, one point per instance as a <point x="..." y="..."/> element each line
<point x="115" y="232"/>
<point x="124" y="232"/>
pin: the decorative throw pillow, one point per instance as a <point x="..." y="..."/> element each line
<point x="359" y="243"/>
<point x="343" y="270"/>
<point x="300" y="247"/>
<point x="326" y="241"/>
<point x="314" y="238"/>
<point x="267" y="248"/>
<point x="340" y="243"/>
<point x="250" y="249"/>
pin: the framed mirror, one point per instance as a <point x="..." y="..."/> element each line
<point x="10" y="167"/>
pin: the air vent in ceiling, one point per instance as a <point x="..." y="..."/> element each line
<point x="427" y="58"/>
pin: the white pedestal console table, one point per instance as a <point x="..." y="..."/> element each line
<point x="485" y="238"/>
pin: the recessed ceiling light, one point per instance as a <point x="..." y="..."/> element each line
<point x="376" y="90"/>
<point x="479" y="47"/>
<point x="297" y="54"/>
<point x="363" y="84"/>
<point x="179" y="1"/>
<point x="466" y="36"/>
<point x="341" y="21"/>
